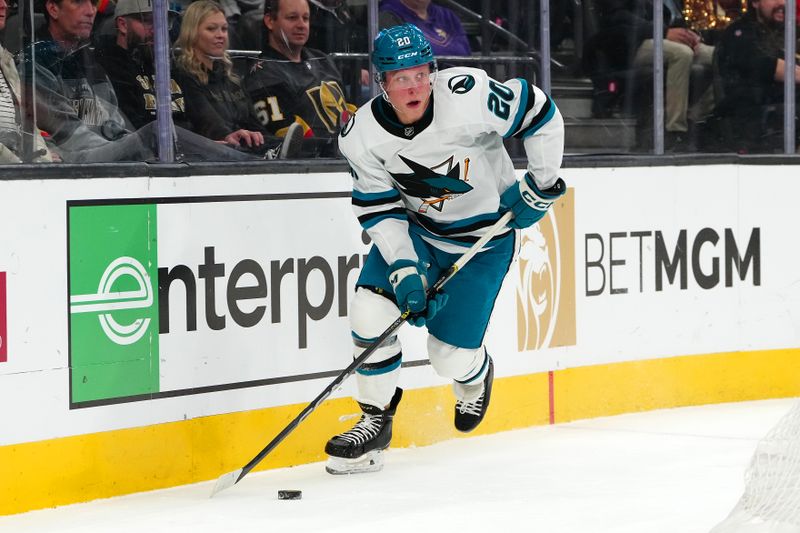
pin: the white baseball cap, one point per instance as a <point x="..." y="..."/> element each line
<point x="133" y="7"/>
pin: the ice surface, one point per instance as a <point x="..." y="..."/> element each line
<point x="668" y="471"/>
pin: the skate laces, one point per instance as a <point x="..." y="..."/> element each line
<point x="470" y="408"/>
<point x="364" y="430"/>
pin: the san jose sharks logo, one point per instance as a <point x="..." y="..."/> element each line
<point x="431" y="185"/>
<point x="461" y="84"/>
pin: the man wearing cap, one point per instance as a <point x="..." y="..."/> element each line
<point x="127" y="57"/>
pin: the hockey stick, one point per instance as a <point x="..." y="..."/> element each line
<point x="232" y="478"/>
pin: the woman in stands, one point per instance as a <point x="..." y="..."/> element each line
<point x="221" y="109"/>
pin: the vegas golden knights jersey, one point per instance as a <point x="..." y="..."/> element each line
<point x="309" y="92"/>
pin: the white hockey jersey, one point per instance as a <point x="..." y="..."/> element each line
<point x="442" y="177"/>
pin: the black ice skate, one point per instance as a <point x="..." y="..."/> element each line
<point x="359" y="449"/>
<point x="470" y="414"/>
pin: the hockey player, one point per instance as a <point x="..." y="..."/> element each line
<point x="430" y="175"/>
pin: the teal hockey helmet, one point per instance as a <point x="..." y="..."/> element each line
<point x="401" y="47"/>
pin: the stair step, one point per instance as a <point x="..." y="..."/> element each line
<point x="587" y="134"/>
<point x="605" y="123"/>
<point x="577" y="108"/>
<point x="573" y="97"/>
<point x="571" y="88"/>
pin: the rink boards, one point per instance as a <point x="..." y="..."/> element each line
<point x="157" y="331"/>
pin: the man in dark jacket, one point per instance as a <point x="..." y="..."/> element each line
<point x="294" y="83"/>
<point x="751" y="68"/>
<point x="127" y="58"/>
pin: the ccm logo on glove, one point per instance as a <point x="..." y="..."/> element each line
<point x="528" y="203"/>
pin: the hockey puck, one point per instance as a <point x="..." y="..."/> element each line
<point x="290" y="494"/>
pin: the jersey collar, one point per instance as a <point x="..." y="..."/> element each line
<point x="387" y="118"/>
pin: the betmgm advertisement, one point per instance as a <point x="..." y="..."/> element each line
<point x="178" y="297"/>
<point x="544" y="280"/>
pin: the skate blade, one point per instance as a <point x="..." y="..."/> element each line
<point x="369" y="462"/>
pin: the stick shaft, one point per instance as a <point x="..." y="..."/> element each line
<point x="351" y="368"/>
<point x="474" y="249"/>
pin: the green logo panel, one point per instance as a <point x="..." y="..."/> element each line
<point x="113" y="273"/>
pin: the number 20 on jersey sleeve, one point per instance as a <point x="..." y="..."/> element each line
<point x="499" y="98"/>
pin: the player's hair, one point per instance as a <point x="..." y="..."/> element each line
<point x="189" y="58"/>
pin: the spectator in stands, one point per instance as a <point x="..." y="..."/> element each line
<point x="105" y="23"/>
<point x="244" y="24"/>
<point x="340" y="26"/>
<point x="127" y="57"/>
<point x="631" y="22"/>
<point x="11" y="131"/>
<point x="220" y="107"/>
<point x="440" y="25"/>
<point x="751" y="68"/>
<point x="76" y="103"/>
<point x="292" y="83"/>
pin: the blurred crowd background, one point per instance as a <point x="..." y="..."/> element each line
<point x="266" y="80"/>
